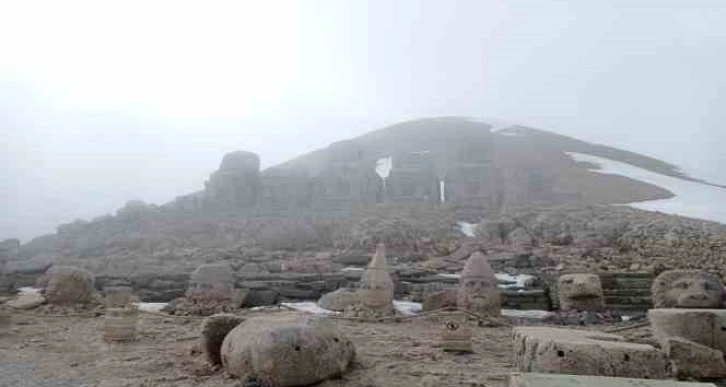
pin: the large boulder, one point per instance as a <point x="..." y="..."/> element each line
<point x="214" y="330"/>
<point x="702" y="326"/>
<point x="576" y="352"/>
<point x="688" y="289"/>
<point x="286" y="351"/>
<point x="694" y="360"/>
<point x="339" y="299"/>
<point x="66" y="285"/>
<point x="581" y="292"/>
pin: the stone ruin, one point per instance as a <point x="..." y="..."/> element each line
<point x="211" y="290"/>
<point x="478" y="290"/>
<point x="688" y="289"/>
<point x="65" y="285"/>
<point x="120" y="322"/>
<point x="577" y="352"/>
<point x="277" y="350"/>
<point x="689" y="322"/>
<point x="376" y="289"/>
<point x="580" y="292"/>
<point x="211" y="282"/>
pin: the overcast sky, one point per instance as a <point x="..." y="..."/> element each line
<point x="102" y="102"/>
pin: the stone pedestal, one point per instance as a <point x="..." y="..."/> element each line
<point x="456" y="338"/>
<point x="120" y="324"/>
<point x="575" y="352"/>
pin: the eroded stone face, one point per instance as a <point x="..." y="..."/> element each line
<point x="688" y="289"/>
<point x="211" y="282"/>
<point x="478" y="290"/>
<point x="581" y="292"/>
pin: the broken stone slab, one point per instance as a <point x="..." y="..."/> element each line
<point x="703" y="326"/>
<point x="694" y="360"/>
<point x="550" y="380"/>
<point x="576" y="352"/>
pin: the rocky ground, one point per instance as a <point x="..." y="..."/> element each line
<point x="70" y="351"/>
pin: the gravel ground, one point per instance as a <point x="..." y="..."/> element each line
<point x="22" y="374"/>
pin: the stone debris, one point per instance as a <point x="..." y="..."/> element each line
<point x="478" y="290"/>
<point x="580" y="292"/>
<point x="65" y="285"/>
<point x="214" y="330"/>
<point x="550" y="380"/>
<point x="286" y="351"/>
<point x="576" y="352"/>
<point x="339" y="300"/>
<point x="688" y="289"/>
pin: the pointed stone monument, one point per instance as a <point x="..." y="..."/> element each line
<point x="478" y="290"/>
<point x="376" y="285"/>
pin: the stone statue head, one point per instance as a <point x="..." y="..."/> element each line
<point x="581" y="292"/>
<point x="376" y="285"/>
<point x="688" y="289"/>
<point x="478" y="290"/>
<point x="211" y="282"/>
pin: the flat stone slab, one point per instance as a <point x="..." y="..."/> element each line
<point x="703" y="326"/>
<point x="578" y="352"/>
<point x="550" y="380"/>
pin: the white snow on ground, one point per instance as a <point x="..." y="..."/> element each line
<point x="28" y="290"/>
<point x="467" y="228"/>
<point x="513" y="281"/>
<point x="533" y="314"/>
<point x="408" y="308"/>
<point x="351" y="268"/>
<point x="154" y="307"/>
<point x="691" y="199"/>
<point x="309" y="307"/>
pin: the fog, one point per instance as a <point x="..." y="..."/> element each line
<point x="101" y="103"/>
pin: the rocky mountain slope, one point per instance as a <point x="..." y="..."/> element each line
<point x="325" y="210"/>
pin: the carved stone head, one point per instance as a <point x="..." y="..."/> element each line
<point x="376" y="285"/>
<point x="581" y="292"/>
<point x="211" y="282"/>
<point x="478" y="290"/>
<point x="688" y="289"/>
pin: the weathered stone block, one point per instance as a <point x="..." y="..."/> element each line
<point x="702" y="326"/>
<point x="550" y="380"/>
<point x="569" y="351"/>
<point x="694" y="360"/>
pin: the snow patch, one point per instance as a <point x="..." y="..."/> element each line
<point x="529" y="314"/>
<point x="467" y="228"/>
<point x="518" y="281"/>
<point x="28" y="290"/>
<point x="154" y="307"/>
<point x="408" y="308"/>
<point x="351" y="268"/>
<point x="384" y="166"/>
<point x="309" y="307"/>
<point x="692" y="199"/>
<point x="442" y="190"/>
